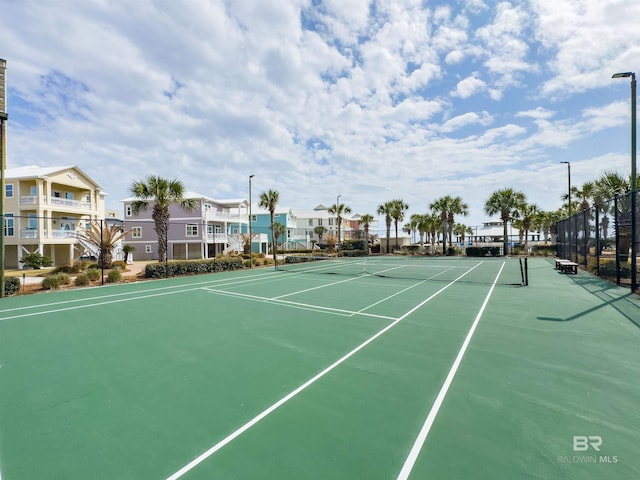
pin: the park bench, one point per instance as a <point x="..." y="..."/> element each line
<point x="566" y="266"/>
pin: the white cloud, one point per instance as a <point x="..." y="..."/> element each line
<point x="469" y="87"/>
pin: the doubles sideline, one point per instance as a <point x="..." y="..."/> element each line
<point x="215" y="448"/>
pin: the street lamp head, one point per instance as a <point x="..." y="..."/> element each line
<point x="623" y="75"/>
<point x="568" y="163"/>
<point x="251" y="176"/>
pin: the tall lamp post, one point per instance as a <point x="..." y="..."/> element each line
<point x="634" y="233"/>
<point x="3" y="150"/>
<point x="337" y="218"/>
<point x="569" y="189"/>
<point x="250" y="238"/>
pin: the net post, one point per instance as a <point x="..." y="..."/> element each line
<point x="526" y="272"/>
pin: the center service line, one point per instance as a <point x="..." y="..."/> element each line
<point x="196" y="461"/>
<point x="422" y="436"/>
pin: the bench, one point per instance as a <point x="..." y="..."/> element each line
<point x="566" y="266"/>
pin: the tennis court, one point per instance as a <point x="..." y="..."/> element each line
<point x="390" y="368"/>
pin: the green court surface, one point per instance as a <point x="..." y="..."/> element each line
<point x="443" y="370"/>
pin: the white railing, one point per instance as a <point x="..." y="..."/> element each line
<point x="28" y="200"/>
<point x="70" y="203"/>
<point x="217" y="238"/>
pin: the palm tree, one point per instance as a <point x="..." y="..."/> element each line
<point x="461" y="230"/>
<point x="339" y="209"/>
<point x="319" y="230"/>
<point x="507" y="203"/>
<point x="528" y="215"/>
<point x="385" y="209"/>
<point x="162" y="193"/>
<point x="127" y="249"/>
<point x="398" y="207"/>
<point x="422" y="225"/>
<point x="456" y="207"/>
<point x="365" y="221"/>
<point x="269" y="201"/>
<point x="104" y="238"/>
<point x="442" y="206"/>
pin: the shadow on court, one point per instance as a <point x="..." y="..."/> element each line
<point x="625" y="302"/>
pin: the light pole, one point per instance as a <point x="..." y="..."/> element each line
<point x="3" y="150"/>
<point x="250" y="239"/>
<point x="633" y="177"/>
<point x="569" y="189"/>
<point x="338" y="220"/>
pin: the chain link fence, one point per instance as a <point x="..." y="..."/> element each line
<point x="604" y="240"/>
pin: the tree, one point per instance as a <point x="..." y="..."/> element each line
<point x="461" y="230"/>
<point x="442" y="206"/>
<point x="269" y="201"/>
<point x="161" y="193"/>
<point x="338" y="210"/>
<point x="385" y="209"/>
<point x="528" y="214"/>
<point x="127" y="250"/>
<point x="279" y="230"/>
<point x="398" y="207"/>
<point x="104" y="238"/>
<point x="422" y="225"/>
<point x="505" y="202"/>
<point x="319" y="230"/>
<point x="455" y="207"/>
<point x="366" y="220"/>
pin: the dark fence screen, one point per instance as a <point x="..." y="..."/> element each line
<point x="604" y="240"/>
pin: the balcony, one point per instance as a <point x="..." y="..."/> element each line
<point x="70" y="203"/>
<point x="75" y="204"/>
<point x="217" y="238"/>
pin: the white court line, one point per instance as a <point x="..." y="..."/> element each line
<point x="100" y="297"/>
<point x="201" y="458"/>
<point x="288" y="303"/>
<point x="424" y="432"/>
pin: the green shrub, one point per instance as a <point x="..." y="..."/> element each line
<point x="64" y="279"/>
<point x="11" y="285"/>
<point x="82" y="280"/>
<point x="94" y="274"/>
<point x="114" y="276"/>
<point x="36" y="260"/>
<point x="51" y="283"/>
<point x="191" y="267"/>
<point x="119" y="264"/>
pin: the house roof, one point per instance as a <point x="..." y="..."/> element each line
<point x="35" y="171"/>
<point x="229" y="202"/>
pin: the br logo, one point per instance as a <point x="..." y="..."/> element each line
<point x="582" y="443"/>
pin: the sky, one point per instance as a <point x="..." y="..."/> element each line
<point x="370" y="100"/>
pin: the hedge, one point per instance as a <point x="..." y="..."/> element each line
<point x="176" y="268"/>
<point x="483" y="251"/>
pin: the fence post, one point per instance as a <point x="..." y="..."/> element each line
<point x="617" y="230"/>
<point x="597" y="243"/>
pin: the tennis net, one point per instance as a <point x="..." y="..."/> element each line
<point x="446" y="269"/>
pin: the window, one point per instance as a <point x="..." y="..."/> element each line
<point x="8" y="190"/>
<point x="147" y="249"/>
<point x="192" y="230"/>
<point x="33" y="191"/>
<point x="68" y="195"/>
<point x="320" y="222"/>
<point x="136" y="232"/>
<point x="9" y="225"/>
<point x="210" y="229"/>
<point x="32" y="222"/>
<point x="311" y="222"/>
<point x="254" y="218"/>
<point x="331" y="221"/>
<point x="128" y="210"/>
<point x="207" y="207"/>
